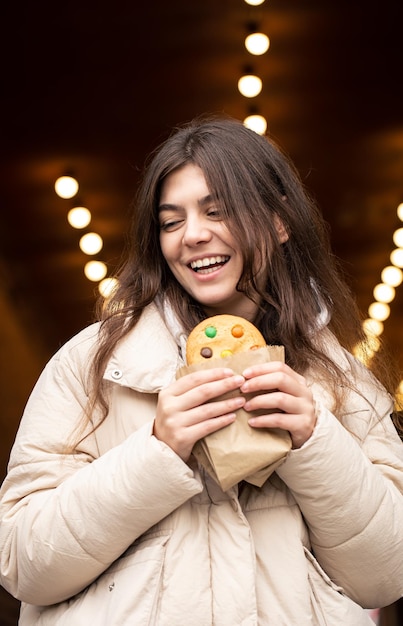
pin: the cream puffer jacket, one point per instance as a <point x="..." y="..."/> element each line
<point x="122" y="532"/>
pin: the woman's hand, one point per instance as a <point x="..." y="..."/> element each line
<point x="186" y="411"/>
<point x="287" y="395"/>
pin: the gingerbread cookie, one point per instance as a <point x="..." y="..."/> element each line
<point x="221" y="336"/>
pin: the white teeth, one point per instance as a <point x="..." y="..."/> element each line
<point x="214" y="260"/>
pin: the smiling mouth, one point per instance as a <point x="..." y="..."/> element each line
<point x="209" y="264"/>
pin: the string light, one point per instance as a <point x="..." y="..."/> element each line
<point x="250" y="85"/>
<point x="396" y="257"/>
<point x="384" y="293"/>
<point x="95" y="270"/>
<point x="79" y="217"/>
<point x="258" y="123"/>
<point x="91" y="243"/>
<point x="107" y="286"/>
<point x="372" y="327"/>
<point x="398" y="238"/>
<point x="257" y="43"/>
<point x="66" y="187"/>
<point x="379" y="311"/>
<point x="392" y="275"/>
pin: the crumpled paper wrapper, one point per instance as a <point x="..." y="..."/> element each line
<point x="239" y="452"/>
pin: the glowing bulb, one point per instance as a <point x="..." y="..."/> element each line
<point x="392" y="276"/>
<point x="384" y="293"/>
<point x="396" y="257"/>
<point x="95" y="270"/>
<point x="79" y="217"/>
<point x="379" y="311"/>
<point x="257" y="43"/>
<point x="372" y="327"/>
<point x="363" y="352"/>
<point x="66" y="186"/>
<point x="257" y="123"/>
<point x="250" y="85"/>
<point x="107" y="286"/>
<point x="254" y="3"/>
<point x="91" y="243"/>
<point x="400" y="211"/>
<point x="398" y="237"/>
<point x="374" y="343"/>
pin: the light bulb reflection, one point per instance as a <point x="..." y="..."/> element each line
<point x="396" y="257"/>
<point x="398" y="238"/>
<point x="372" y="327"/>
<point x="95" y="270"/>
<point x="384" y="293"/>
<point x="107" y="286"/>
<point x="379" y="311"/>
<point x="66" y="186"/>
<point x="250" y="85"/>
<point x="91" y="243"/>
<point x="257" y="43"/>
<point x="257" y="123"/>
<point x="79" y="217"/>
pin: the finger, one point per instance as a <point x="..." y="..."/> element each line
<point x="299" y="426"/>
<point x="271" y="368"/>
<point x="213" y="410"/>
<point x="182" y="440"/>
<point x="189" y="381"/>
<point x="206" y="427"/>
<point x="276" y="381"/>
<point x="281" y="402"/>
<point x="204" y="393"/>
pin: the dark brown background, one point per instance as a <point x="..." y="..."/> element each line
<point x="90" y="88"/>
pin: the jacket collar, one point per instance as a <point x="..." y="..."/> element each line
<point x="147" y="358"/>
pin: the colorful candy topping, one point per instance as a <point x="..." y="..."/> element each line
<point x="206" y="353"/>
<point x="225" y="353"/>
<point x="210" y="331"/>
<point x="237" y="331"/>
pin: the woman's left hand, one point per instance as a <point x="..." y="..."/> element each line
<point x="287" y="395"/>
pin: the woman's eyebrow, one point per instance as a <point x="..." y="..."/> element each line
<point x="206" y="200"/>
<point x="167" y="206"/>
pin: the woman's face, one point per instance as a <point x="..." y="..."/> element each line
<point x="197" y="245"/>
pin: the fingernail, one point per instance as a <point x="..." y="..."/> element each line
<point x="239" y="379"/>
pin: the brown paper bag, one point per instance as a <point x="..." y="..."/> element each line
<point x="238" y="451"/>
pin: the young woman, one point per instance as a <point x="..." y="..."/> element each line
<point x="106" y="516"/>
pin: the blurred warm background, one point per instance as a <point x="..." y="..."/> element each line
<point x="89" y="89"/>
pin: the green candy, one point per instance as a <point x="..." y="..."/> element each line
<point x="210" y="331"/>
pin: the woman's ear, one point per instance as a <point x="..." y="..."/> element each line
<point x="281" y="229"/>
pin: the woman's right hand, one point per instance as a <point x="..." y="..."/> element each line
<point x="186" y="411"/>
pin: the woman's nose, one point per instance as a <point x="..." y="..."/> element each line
<point x="196" y="231"/>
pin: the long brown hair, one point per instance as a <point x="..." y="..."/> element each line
<point x="257" y="186"/>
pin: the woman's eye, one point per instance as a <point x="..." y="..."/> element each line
<point x="170" y="225"/>
<point x="216" y="213"/>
